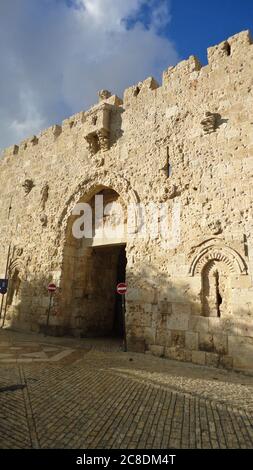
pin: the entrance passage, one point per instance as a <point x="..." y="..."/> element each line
<point x="101" y="308"/>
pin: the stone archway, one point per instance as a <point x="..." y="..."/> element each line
<point x="85" y="189"/>
<point x="16" y="275"/>
<point x="215" y="264"/>
<point x="91" y="269"/>
<point x="215" y="249"/>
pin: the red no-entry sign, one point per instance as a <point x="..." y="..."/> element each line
<point x="51" y="287"/>
<point x="122" y="288"/>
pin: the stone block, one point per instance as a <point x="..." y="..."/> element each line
<point x="241" y="349"/>
<point x="178" y="338"/>
<point x="196" y="308"/>
<point x="199" y="357"/>
<point x="191" y="340"/>
<point x="222" y="325"/>
<point x="175" y="353"/>
<point x="157" y="350"/>
<point x="212" y="359"/>
<point x="165" y="307"/>
<point x="199" y="324"/>
<point x="226" y="362"/>
<point x="206" y="342"/>
<point x="133" y="294"/>
<point x="137" y="294"/>
<point x="149" y="335"/>
<point x="244" y="327"/>
<point x="188" y="355"/>
<point x="178" y="321"/>
<point x="181" y="308"/>
<point x="220" y="343"/>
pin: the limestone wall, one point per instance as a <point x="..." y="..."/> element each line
<point x="193" y="302"/>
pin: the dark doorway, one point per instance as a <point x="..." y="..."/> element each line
<point x="99" y="307"/>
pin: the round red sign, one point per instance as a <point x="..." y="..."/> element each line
<point x="122" y="288"/>
<point x="51" y="287"/>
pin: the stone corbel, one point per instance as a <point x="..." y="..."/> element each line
<point x="98" y="128"/>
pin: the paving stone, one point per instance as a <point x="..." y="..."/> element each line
<point x="102" y="400"/>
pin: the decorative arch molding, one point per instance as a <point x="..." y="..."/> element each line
<point x="93" y="183"/>
<point x="17" y="265"/>
<point x="218" y="252"/>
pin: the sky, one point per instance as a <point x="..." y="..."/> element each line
<point x="55" y="55"/>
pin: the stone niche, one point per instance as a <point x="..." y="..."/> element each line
<point x="97" y="128"/>
<point x="216" y="287"/>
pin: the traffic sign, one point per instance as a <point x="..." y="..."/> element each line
<point x="122" y="288"/>
<point x="3" y="286"/>
<point x="51" y="287"/>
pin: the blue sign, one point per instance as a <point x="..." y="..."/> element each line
<point x="3" y="286"/>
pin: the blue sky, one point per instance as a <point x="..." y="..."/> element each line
<point x="56" y="54"/>
<point x="198" y="24"/>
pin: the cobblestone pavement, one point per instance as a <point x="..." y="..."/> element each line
<point x="67" y="393"/>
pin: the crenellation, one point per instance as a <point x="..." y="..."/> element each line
<point x="239" y="42"/>
<point x="139" y="90"/>
<point x="235" y="45"/>
<point x="12" y="150"/>
<point x="184" y="69"/>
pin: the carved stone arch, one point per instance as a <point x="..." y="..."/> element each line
<point x="17" y="274"/>
<point x="17" y="265"/>
<point x="215" y="263"/>
<point x="93" y="183"/>
<point x="79" y="258"/>
<point x="89" y="186"/>
<point x="219" y="252"/>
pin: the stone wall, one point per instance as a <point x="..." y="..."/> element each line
<point x="189" y="141"/>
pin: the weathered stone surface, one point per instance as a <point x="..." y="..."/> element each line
<point x="157" y="350"/>
<point x="199" y="357"/>
<point x="187" y="144"/>
<point x="212" y="359"/>
<point x="191" y="340"/>
<point x="241" y="349"/>
<point x="178" y="321"/>
<point x="175" y="352"/>
<point x="220" y="344"/>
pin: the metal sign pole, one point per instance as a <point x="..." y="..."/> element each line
<point x="124" y="321"/>
<point x="48" y="312"/>
<point x="1" y="306"/>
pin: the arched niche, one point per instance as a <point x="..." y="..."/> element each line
<point x="220" y="252"/>
<point x="215" y="264"/>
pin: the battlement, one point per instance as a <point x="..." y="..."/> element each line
<point x="94" y="119"/>
<point x="237" y="46"/>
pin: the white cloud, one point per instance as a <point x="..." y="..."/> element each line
<point x="31" y="120"/>
<point x="108" y="14"/>
<point x="54" y="58"/>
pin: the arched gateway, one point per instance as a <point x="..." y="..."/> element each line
<point x="94" y="257"/>
<point x="94" y="262"/>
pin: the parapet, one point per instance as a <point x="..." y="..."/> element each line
<point x="181" y="70"/>
<point x="235" y="45"/>
<point x="140" y="90"/>
<point x="9" y="151"/>
<point x="96" y="121"/>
